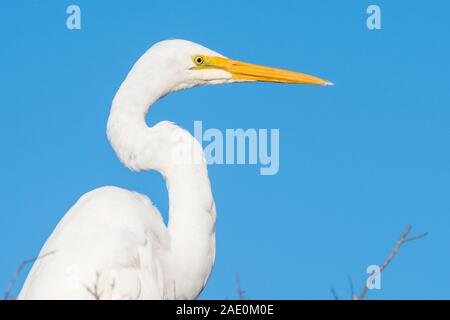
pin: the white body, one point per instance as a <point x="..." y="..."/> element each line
<point x="113" y="244"/>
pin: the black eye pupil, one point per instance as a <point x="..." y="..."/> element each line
<point x="199" y="60"/>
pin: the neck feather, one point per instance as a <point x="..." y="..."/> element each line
<point x="191" y="226"/>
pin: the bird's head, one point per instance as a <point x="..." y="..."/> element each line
<point x="188" y="64"/>
<point x="169" y="66"/>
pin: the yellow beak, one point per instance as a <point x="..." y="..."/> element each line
<point x="252" y="72"/>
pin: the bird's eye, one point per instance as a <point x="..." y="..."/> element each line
<point x="199" y="60"/>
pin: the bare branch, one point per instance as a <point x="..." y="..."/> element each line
<point x="241" y="293"/>
<point x="352" y="288"/>
<point x="403" y="239"/>
<point x="420" y="236"/>
<point x="334" y="293"/>
<point x="95" y="290"/>
<point x="174" y="291"/>
<point x="18" y="271"/>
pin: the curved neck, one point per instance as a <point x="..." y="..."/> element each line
<point x="191" y="228"/>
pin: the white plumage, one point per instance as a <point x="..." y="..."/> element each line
<point x="113" y="244"/>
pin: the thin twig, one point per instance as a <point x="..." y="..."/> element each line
<point x="420" y="236"/>
<point x="404" y="238"/>
<point x="19" y="269"/>
<point x="241" y="293"/>
<point x="334" y="293"/>
<point x="174" y="291"/>
<point x="95" y="290"/>
<point x="352" y="288"/>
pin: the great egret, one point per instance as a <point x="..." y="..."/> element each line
<point x="113" y="243"/>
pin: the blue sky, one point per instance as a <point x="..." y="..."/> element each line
<point x="358" y="161"/>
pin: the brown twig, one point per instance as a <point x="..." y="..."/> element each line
<point x="19" y="269"/>
<point x="404" y="238"/>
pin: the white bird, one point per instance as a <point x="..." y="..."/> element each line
<point x="113" y="243"/>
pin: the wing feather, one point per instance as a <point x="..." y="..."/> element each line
<point x="107" y="246"/>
